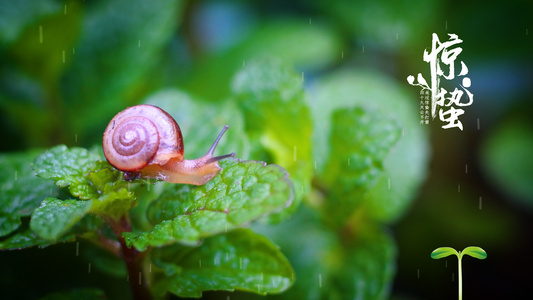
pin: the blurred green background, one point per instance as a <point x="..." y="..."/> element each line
<point x="66" y="67"/>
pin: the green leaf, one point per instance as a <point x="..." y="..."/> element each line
<point x="55" y="217"/>
<point x="476" y="252"/>
<point x="239" y="260"/>
<point x="20" y="190"/>
<point x="120" y="40"/>
<point x="277" y="118"/>
<point x="81" y="294"/>
<point x="294" y="41"/>
<point x="68" y="167"/>
<point x="405" y="166"/>
<point x="360" y="141"/>
<point x="24" y="237"/>
<point x="369" y="269"/>
<point x="114" y="203"/>
<point x="87" y="178"/>
<point x="359" y="263"/>
<point x="200" y="122"/>
<point x="443" y="252"/>
<point x="241" y="193"/>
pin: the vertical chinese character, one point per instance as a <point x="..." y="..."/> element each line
<point x="441" y="61"/>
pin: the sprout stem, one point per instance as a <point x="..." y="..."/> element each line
<point x="460" y="279"/>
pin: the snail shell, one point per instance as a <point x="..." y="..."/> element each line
<point x="144" y="140"/>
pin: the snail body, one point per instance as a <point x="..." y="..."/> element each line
<point x="145" y="141"/>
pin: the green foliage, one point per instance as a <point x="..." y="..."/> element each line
<point x="290" y="40"/>
<point x="277" y="119"/>
<point x="87" y="178"/>
<point x="55" y="217"/>
<point x="24" y="237"/>
<point x="326" y="158"/>
<point x="324" y="261"/>
<point x="20" y="191"/>
<point x="69" y="168"/>
<point x="360" y="141"/>
<point x="241" y="193"/>
<point x="239" y="260"/>
<point x="404" y="164"/>
<point x="244" y="191"/>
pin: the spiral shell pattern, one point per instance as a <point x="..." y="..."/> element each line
<point x="141" y="135"/>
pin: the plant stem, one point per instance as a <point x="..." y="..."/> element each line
<point x="460" y="280"/>
<point x="133" y="260"/>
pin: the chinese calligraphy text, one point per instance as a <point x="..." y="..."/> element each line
<point x="448" y="105"/>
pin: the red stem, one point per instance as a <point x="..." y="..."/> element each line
<point x="133" y="260"/>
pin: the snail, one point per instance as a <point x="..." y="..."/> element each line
<point x="145" y="141"/>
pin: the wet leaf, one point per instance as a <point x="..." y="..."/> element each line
<point x="87" y="177"/>
<point x="360" y="263"/>
<point x="405" y="166"/>
<point x="277" y="119"/>
<point x="20" y="190"/>
<point x="241" y="193"/>
<point x="360" y="142"/>
<point x="238" y="260"/>
<point x="55" y="217"/>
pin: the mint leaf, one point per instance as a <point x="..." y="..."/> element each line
<point x="405" y="166"/>
<point x="55" y="217"/>
<point x="87" y="177"/>
<point x="24" y="237"/>
<point x="114" y="203"/>
<point x="241" y="193"/>
<point x="369" y="268"/>
<point x="357" y="262"/>
<point x="239" y="260"/>
<point x="360" y="141"/>
<point x="69" y="167"/>
<point x="277" y="118"/>
<point x="20" y="190"/>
